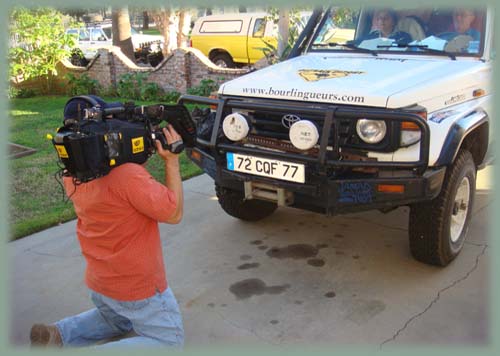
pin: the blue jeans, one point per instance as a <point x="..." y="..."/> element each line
<point x="156" y="320"/>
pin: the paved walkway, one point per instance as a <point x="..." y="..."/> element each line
<point x="343" y="280"/>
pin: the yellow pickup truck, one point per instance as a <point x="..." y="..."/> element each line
<point x="232" y="40"/>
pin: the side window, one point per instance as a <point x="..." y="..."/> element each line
<point x="108" y="32"/>
<point x="84" y="35"/>
<point x="96" y="34"/>
<point x="259" y="28"/>
<point x="223" y="26"/>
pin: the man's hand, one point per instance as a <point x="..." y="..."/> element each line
<point x="173" y="179"/>
<point x="172" y="136"/>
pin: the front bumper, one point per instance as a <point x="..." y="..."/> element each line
<point x="322" y="191"/>
<point x="333" y="196"/>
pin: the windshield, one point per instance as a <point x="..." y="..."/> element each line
<point x="442" y="31"/>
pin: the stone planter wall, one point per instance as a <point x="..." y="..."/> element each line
<point x="184" y="68"/>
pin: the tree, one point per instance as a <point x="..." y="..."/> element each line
<point x="122" y="35"/>
<point x="290" y="23"/>
<point x="161" y="18"/>
<point x="180" y="34"/>
<point x="283" y="29"/>
<point x="37" y="43"/>
<point x="145" y="20"/>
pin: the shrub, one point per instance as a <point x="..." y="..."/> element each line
<point x="206" y="87"/>
<point x="14" y="92"/>
<point x="82" y="84"/>
<point x="150" y="92"/>
<point x="129" y="85"/>
<point x="38" y="43"/>
<point x="171" y="97"/>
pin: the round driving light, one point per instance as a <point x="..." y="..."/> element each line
<point x="235" y="127"/>
<point x="304" y="135"/>
<point x="371" y="131"/>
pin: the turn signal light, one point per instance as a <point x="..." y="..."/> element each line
<point x="478" y="92"/>
<point x="213" y="96"/>
<point x="391" y="188"/>
<point x="196" y="155"/>
<point x="410" y="126"/>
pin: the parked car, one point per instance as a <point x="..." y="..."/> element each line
<point x="147" y="48"/>
<point x="231" y="40"/>
<point x="366" y="123"/>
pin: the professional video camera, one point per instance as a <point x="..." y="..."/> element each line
<point x="98" y="136"/>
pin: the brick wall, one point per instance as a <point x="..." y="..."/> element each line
<point x="184" y="68"/>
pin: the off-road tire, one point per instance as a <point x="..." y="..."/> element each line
<point x="223" y="60"/>
<point x="233" y="202"/>
<point x="429" y="222"/>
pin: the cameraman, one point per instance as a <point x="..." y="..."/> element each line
<point x="117" y="228"/>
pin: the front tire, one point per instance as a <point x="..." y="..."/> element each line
<point x="223" y="60"/>
<point x="234" y="203"/>
<point x="437" y="229"/>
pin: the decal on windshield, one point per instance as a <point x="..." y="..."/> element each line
<point x="313" y="75"/>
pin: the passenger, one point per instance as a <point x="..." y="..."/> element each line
<point x="384" y="22"/>
<point x="414" y="22"/>
<point x="462" y="22"/>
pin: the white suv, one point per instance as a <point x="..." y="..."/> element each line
<point x="377" y="121"/>
<point x="95" y="36"/>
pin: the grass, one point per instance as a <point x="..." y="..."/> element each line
<point x="151" y="31"/>
<point x="37" y="201"/>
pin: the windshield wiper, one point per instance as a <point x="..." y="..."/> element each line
<point x="347" y="45"/>
<point x="423" y="47"/>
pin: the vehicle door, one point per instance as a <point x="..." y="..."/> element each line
<point x="262" y="34"/>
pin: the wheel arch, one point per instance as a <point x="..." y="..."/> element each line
<point x="215" y="51"/>
<point x="470" y="132"/>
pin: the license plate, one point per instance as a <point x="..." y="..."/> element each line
<point x="293" y="172"/>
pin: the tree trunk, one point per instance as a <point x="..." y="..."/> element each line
<point x="145" y="20"/>
<point x="283" y="26"/>
<point x="122" y="36"/>
<point x="161" y="18"/>
<point x="180" y="33"/>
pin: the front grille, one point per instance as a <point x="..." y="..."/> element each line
<point x="276" y="144"/>
<point x="269" y="125"/>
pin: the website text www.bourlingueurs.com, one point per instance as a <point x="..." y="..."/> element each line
<point x="305" y="95"/>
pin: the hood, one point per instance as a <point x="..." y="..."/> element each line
<point x="381" y="81"/>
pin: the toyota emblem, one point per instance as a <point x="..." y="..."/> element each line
<point x="289" y="119"/>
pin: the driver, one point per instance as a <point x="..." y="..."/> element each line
<point x="462" y="22"/>
<point x="384" y="23"/>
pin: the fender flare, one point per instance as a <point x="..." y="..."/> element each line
<point x="457" y="134"/>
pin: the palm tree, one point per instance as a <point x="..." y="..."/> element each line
<point x="122" y="36"/>
<point x="161" y="18"/>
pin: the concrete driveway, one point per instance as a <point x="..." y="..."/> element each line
<point x="296" y="278"/>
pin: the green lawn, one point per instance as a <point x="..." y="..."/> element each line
<point x="151" y="31"/>
<point x="37" y="201"/>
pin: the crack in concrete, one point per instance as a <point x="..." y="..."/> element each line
<point x="377" y="224"/>
<point x="49" y="254"/>
<point x="436" y="299"/>
<point x="251" y="331"/>
<point x="201" y="193"/>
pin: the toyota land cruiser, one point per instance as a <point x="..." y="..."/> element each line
<point x="372" y="122"/>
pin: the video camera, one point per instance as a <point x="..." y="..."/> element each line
<point x="97" y="136"/>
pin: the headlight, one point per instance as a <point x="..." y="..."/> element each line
<point x="371" y="131"/>
<point x="304" y="134"/>
<point x="235" y="126"/>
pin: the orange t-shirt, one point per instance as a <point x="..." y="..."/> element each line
<point x="117" y="228"/>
